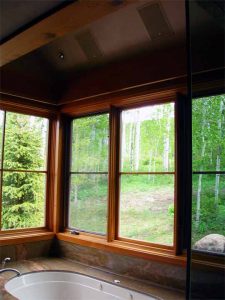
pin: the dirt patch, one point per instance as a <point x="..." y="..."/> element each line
<point x="152" y="200"/>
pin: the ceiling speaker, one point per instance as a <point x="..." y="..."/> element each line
<point x="155" y="20"/>
<point x="89" y="45"/>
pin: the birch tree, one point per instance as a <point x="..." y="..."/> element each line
<point x="203" y="143"/>
<point x="221" y="119"/>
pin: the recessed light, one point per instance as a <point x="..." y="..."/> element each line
<point x="61" y="55"/>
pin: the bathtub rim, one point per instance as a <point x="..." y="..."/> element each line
<point x="84" y="275"/>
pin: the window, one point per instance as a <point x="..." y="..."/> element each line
<point x="147" y="174"/>
<point x="208" y="202"/>
<point x="89" y="174"/>
<point x="23" y="170"/>
<point x="144" y="187"/>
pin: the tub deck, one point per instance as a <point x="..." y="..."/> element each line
<point x="39" y="264"/>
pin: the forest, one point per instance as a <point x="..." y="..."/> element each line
<point x="24" y="149"/>
<point x="208" y="154"/>
<point x="147" y="171"/>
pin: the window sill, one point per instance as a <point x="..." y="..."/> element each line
<point x="208" y="261"/>
<point x="25" y="237"/>
<point x="125" y="248"/>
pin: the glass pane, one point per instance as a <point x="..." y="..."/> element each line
<point x="90" y="144"/>
<point x="88" y="202"/>
<point x="208" y="213"/>
<point x="209" y="133"/>
<point x="25" y="142"/>
<point x="147" y="208"/>
<point x="1" y="134"/>
<point x="23" y="200"/>
<point x="148" y="139"/>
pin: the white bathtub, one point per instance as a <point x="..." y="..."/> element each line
<point x="64" y="285"/>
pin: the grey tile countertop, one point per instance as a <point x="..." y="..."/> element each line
<point x="39" y="264"/>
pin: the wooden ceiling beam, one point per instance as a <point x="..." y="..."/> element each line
<point x="66" y="20"/>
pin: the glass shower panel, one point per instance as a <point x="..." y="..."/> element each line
<point x="207" y="248"/>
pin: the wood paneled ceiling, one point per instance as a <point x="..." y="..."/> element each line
<point x="16" y="16"/>
<point x="88" y="35"/>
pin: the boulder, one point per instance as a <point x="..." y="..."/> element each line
<point x="212" y="243"/>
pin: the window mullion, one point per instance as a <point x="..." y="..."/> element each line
<point x="1" y="168"/>
<point x="113" y="191"/>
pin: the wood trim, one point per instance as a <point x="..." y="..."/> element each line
<point x="91" y="173"/>
<point x="124" y="248"/>
<point x="208" y="83"/>
<point x="123" y="99"/>
<point x="113" y="191"/>
<point x="24" y="171"/>
<point x="66" y="20"/>
<point x="146" y="173"/>
<point x="208" y="265"/>
<point x="48" y="184"/>
<point x="144" y="243"/>
<point x="22" y="230"/>
<point x="23" y="106"/>
<point x="208" y="261"/>
<point x="60" y="172"/>
<point x="174" y="246"/>
<point x="56" y="205"/>
<point x="25" y="237"/>
<point x="50" y="175"/>
<point x="1" y="173"/>
<point x="204" y="82"/>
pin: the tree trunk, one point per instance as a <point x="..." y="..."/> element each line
<point x="75" y="195"/>
<point x="218" y="159"/>
<point x="132" y="148"/>
<point x="123" y="146"/>
<point x="166" y="147"/>
<point x="130" y="143"/>
<point x="150" y="163"/>
<point x="198" y="203"/>
<point x="137" y="141"/>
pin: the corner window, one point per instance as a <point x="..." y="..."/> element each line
<point x="147" y="172"/>
<point x="23" y="170"/>
<point x="89" y="174"/>
<point x="208" y="204"/>
<point x="141" y="191"/>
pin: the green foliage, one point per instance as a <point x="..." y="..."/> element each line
<point x="90" y="144"/>
<point x="22" y="192"/>
<point x="148" y="146"/>
<point x="212" y="216"/>
<point x="208" y="140"/>
<point x="171" y="210"/>
<point x="147" y="207"/>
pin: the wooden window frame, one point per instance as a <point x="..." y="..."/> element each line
<point x="145" y="243"/>
<point x="172" y="254"/>
<point x="68" y="176"/>
<point x="45" y="232"/>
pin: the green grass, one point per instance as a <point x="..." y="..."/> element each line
<point x="155" y="227"/>
<point x="145" y="214"/>
<point x="146" y="209"/>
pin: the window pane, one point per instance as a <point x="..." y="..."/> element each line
<point x="90" y="144"/>
<point x="147" y="208"/>
<point x="148" y="139"/>
<point x="208" y="127"/>
<point x="23" y="200"/>
<point x="1" y="134"/>
<point x="208" y="212"/>
<point x="88" y="202"/>
<point x="25" y="142"/>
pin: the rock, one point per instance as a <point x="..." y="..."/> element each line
<point x="212" y="243"/>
